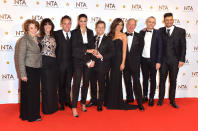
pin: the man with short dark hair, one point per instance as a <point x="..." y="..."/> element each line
<point x="174" y="52"/>
<point x="104" y="50"/>
<point x="64" y="61"/>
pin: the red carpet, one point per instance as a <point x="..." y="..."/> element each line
<point x="155" y="118"/>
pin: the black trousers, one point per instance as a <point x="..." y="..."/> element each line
<point x="80" y="70"/>
<point x="135" y="74"/>
<point x="93" y="82"/>
<point x="170" y="67"/>
<point x="98" y="77"/>
<point x="49" y="82"/>
<point x="149" y="72"/>
<point x="65" y="78"/>
<point x="30" y="95"/>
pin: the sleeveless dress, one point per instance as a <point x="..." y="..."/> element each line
<point x="115" y="94"/>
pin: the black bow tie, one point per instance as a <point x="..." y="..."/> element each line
<point x="149" y="31"/>
<point x="129" y="34"/>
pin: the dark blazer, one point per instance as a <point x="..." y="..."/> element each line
<point x="178" y="39"/>
<point x="156" y="45"/>
<point x="133" y="56"/>
<point x="107" y="50"/>
<point x="63" y="49"/>
<point x="79" y="48"/>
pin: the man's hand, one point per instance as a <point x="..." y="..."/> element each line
<point x="92" y="64"/>
<point x="99" y="56"/>
<point x="91" y="51"/>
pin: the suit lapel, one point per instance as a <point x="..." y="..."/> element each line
<point x="153" y="39"/>
<point x="102" y="42"/>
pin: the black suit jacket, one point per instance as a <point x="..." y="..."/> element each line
<point x="156" y="45"/>
<point x="107" y="50"/>
<point x="63" y="49"/>
<point x="178" y="39"/>
<point x="79" y="48"/>
<point x="133" y="56"/>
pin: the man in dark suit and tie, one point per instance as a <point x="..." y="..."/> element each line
<point x="132" y="65"/>
<point x="151" y="52"/>
<point x="64" y="61"/>
<point x="174" y="52"/>
<point x="104" y="50"/>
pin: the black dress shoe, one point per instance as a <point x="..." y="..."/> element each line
<point x="160" y="102"/>
<point x="91" y="104"/>
<point x="61" y="107"/>
<point x="141" y="108"/>
<point x="68" y="104"/>
<point x="145" y="99"/>
<point x="173" y="104"/>
<point x="39" y="119"/>
<point x="151" y="102"/>
<point x="129" y="101"/>
<point x="99" y="108"/>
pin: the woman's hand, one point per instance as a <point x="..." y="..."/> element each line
<point x="92" y="64"/>
<point x="122" y="66"/>
<point x="24" y="79"/>
<point x="91" y="51"/>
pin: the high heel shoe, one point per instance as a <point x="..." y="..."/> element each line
<point x="83" y="108"/>
<point x="74" y="114"/>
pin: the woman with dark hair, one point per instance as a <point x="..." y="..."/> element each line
<point x="82" y="40"/>
<point x="29" y="61"/>
<point x="115" y="94"/>
<point x="49" y="76"/>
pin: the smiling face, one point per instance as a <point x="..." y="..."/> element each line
<point x="82" y="22"/>
<point x="131" y="26"/>
<point x="47" y="28"/>
<point x="119" y="27"/>
<point x="66" y="25"/>
<point x="168" y="21"/>
<point x="150" y="23"/>
<point x="32" y="29"/>
<point x="100" y="29"/>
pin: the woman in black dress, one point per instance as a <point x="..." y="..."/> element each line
<point x="49" y="69"/>
<point x="82" y="40"/>
<point x="115" y="94"/>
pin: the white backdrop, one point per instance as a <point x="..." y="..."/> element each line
<point x="14" y="12"/>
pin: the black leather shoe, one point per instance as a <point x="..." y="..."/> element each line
<point x="141" y="108"/>
<point x="61" y="107"/>
<point x="99" y="108"/>
<point x="68" y="104"/>
<point x="145" y="99"/>
<point x="151" y="102"/>
<point x="91" y="104"/>
<point x="173" y="104"/>
<point x="129" y="101"/>
<point x="160" y="102"/>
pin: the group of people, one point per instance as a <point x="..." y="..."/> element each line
<point x="55" y="57"/>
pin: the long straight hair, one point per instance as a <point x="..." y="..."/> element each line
<point x="80" y="16"/>
<point x="42" y="30"/>
<point x="113" y="26"/>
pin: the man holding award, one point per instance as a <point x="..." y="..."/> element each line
<point x="104" y="50"/>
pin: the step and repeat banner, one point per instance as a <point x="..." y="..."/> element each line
<point x="14" y="12"/>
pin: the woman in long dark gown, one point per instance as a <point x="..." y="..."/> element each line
<point x="49" y="76"/>
<point x="115" y="94"/>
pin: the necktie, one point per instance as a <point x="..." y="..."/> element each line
<point x="98" y="40"/>
<point x="129" y="34"/>
<point x="67" y="37"/>
<point x="168" y="32"/>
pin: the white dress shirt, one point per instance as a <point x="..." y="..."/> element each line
<point x="147" y="44"/>
<point x="171" y="29"/>
<point x="130" y="41"/>
<point x="66" y="33"/>
<point x="84" y="36"/>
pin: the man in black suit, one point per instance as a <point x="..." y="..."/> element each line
<point x="64" y="61"/>
<point x="174" y="52"/>
<point x="132" y="64"/>
<point x="151" y="52"/>
<point x="104" y="50"/>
